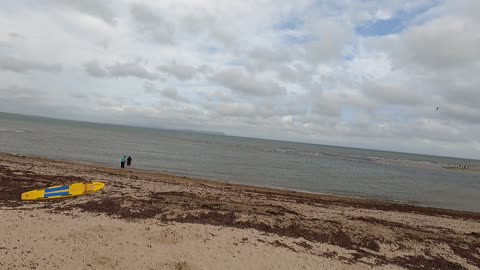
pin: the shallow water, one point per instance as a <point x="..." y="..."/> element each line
<point x="417" y="179"/>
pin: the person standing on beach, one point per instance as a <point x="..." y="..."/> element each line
<point x="122" y="163"/>
<point x="129" y="161"/>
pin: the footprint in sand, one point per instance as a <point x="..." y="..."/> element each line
<point x="106" y="262"/>
<point x="165" y="237"/>
<point x="182" y="265"/>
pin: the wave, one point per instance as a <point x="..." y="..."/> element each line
<point x="407" y="163"/>
<point x="12" y="130"/>
<point x="363" y="158"/>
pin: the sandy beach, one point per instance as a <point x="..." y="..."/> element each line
<point x="144" y="220"/>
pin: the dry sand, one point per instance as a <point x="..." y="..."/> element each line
<point x="147" y="220"/>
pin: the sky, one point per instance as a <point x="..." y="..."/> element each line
<point x="367" y="74"/>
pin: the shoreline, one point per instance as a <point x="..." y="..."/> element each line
<point x="173" y="222"/>
<point x="368" y="200"/>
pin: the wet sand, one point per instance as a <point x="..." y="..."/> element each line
<point x="145" y="220"/>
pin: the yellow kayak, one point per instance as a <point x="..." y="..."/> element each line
<point x="66" y="191"/>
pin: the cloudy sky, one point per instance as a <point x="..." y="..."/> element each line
<point x="355" y="73"/>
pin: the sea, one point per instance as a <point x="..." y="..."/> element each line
<point x="410" y="178"/>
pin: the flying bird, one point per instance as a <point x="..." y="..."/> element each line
<point x="438" y="108"/>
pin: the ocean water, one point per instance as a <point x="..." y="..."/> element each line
<point x="416" y="179"/>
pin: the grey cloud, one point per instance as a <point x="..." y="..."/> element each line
<point x="93" y="68"/>
<point x="246" y="84"/>
<point x="465" y="96"/>
<point x="330" y="103"/>
<point x="91" y="97"/>
<point x="387" y="94"/>
<point x="218" y="95"/>
<point x="165" y="115"/>
<point x="327" y="106"/>
<point x="202" y="24"/>
<point x="20" y="65"/>
<point x="325" y="50"/>
<point x="298" y="73"/>
<point x="274" y="107"/>
<point x="470" y="8"/>
<point x="454" y="90"/>
<point x="22" y="100"/>
<point x="153" y="26"/>
<point x="99" y="9"/>
<point x="295" y="72"/>
<point x="198" y="22"/>
<point x="459" y="8"/>
<point x="170" y="93"/>
<point x="284" y="62"/>
<point x="241" y="112"/>
<point x="327" y="41"/>
<point x="441" y="61"/>
<point x="431" y="129"/>
<point x="107" y="102"/>
<point x="15" y="92"/>
<point x="458" y="113"/>
<point x="439" y="44"/>
<point x="150" y="88"/>
<point x="14" y="35"/>
<point x="277" y="60"/>
<point x="179" y="71"/>
<point x="236" y="109"/>
<point x="459" y="86"/>
<point x="270" y="55"/>
<point x="120" y="69"/>
<point x="134" y="69"/>
<point x="224" y="37"/>
<point x="80" y="96"/>
<point x="205" y="69"/>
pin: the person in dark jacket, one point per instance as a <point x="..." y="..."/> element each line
<point x="122" y="163"/>
<point x="129" y="161"/>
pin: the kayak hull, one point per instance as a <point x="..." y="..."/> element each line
<point x="60" y="192"/>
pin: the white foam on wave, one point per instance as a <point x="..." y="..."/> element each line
<point x="11" y="130"/>
<point x="408" y="163"/>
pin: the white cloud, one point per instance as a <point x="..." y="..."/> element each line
<point x="298" y="70"/>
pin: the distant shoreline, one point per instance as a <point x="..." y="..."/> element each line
<point x="455" y="168"/>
